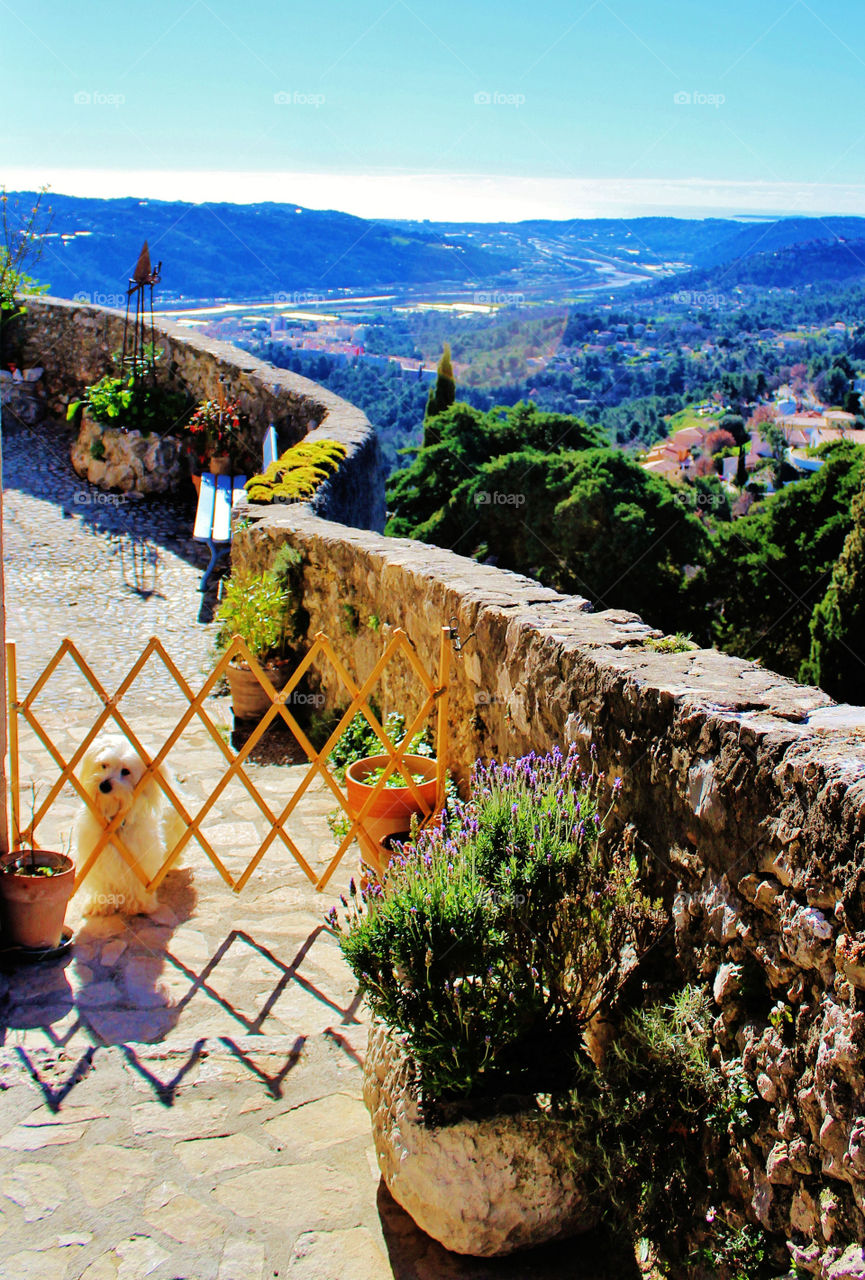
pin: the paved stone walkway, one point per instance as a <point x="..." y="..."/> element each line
<point x="180" y="1096"/>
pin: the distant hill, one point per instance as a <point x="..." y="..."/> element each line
<point x="244" y="252"/>
<point x="841" y="262"/>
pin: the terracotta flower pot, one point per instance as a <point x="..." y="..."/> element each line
<point x="220" y="465"/>
<point x="393" y="808"/>
<point x="248" y="698"/>
<point x="33" y="908"/>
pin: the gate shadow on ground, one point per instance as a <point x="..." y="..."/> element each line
<point x="413" y="1255"/>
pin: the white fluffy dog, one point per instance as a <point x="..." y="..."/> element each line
<point x="149" y="829"/>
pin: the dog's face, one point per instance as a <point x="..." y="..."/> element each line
<point x="110" y="771"/>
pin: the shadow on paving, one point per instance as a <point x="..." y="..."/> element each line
<point x="118" y="998"/>
<point x="36" y="462"/>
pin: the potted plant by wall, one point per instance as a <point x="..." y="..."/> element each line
<point x="357" y="761"/>
<point x="213" y="435"/>
<point x="35" y="888"/>
<point x="396" y="806"/>
<point x="264" y="610"/>
<point x="484" y="951"/>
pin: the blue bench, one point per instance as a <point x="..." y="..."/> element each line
<point x="217" y="496"/>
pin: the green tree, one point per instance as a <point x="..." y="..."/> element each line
<point x="588" y="520"/>
<point x="767" y="570"/>
<point x="21" y="244"/>
<point x="466" y="438"/>
<point x="735" y="424"/>
<point x="837" y="659"/>
<point x="441" y="396"/>
<point x="741" y="469"/>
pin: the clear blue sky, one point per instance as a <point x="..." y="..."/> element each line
<point x="455" y="109"/>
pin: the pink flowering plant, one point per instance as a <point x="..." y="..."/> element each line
<point x="493" y="938"/>
<point x="214" y="428"/>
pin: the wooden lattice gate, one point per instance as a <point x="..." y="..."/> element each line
<point x="22" y="710"/>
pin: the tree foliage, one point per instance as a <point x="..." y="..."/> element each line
<point x="541" y="494"/>
<point x="768" y="570"/>
<point x="442" y="395"/>
<point x="837" y="659"/>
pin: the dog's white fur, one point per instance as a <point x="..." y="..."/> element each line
<point x="150" y="828"/>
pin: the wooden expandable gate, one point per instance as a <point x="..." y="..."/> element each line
<point x="399" y="643"/>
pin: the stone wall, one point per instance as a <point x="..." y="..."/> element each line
<point x="74" y="344"/>
<point x="743" y="794"/>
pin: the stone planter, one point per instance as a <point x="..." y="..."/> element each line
<point x="483" y="1187"/>
<point x="127" y="460"/>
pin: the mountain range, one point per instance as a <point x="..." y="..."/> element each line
<point x="245" y="252"/>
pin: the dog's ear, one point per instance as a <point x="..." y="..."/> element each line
<point x="87" y="767"/>
<point x="152" y="793"/>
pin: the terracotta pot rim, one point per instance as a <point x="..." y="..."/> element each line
<point x="14" y="854"/>
<point x="428" y="764"/>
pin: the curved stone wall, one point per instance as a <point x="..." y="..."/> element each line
<point x="74" y="343"/>
<point x="743" y="797"/>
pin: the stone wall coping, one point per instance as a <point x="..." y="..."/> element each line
<point x="334" y="417"/>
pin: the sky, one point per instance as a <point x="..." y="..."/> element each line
<point x="476" y="110"/>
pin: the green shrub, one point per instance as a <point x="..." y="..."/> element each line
<point x="295" y="476"/>
<point x="128" y="405"/>
<point x="494" y="938"/>
<point x="264" y="608"/>
<point x="360" y="740"/>
<point x="641" y="1123"/>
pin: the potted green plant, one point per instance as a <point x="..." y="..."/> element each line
<point x="484" y="951"/>
<point x="357" y="761"/>
<point x="35" y="888"/>
<point x="264" y="610"/>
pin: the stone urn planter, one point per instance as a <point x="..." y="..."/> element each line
<point x="35" y="889"/>
<point x="483" y="1187"/>
<point x="127" y="461"/>
<point x="394" y="806"/>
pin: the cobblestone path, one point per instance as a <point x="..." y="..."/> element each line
<point x="180" y="1095"/>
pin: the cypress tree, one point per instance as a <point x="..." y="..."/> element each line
<point x="741" y="469"/>
<point x="441" y="396"/>
<point x="837" y="661"/>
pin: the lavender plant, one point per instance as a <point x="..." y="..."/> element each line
<point x="494" y="938"/>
